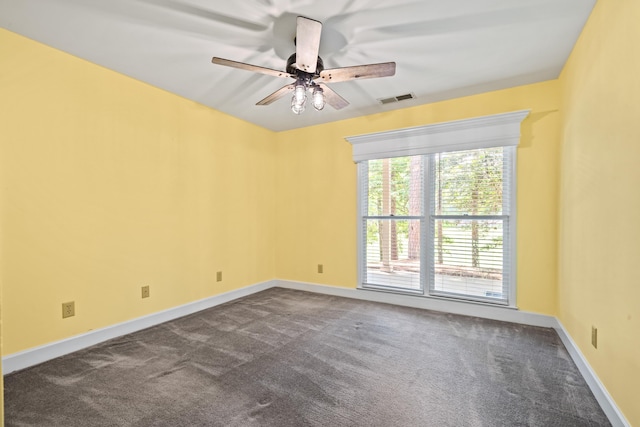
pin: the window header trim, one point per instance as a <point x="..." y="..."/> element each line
<point x="498" y="130"/>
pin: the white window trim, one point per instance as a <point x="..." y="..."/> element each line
<point x="498" y="130"/>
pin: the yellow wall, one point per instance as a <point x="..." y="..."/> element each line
<point x="599" y="230"/>
<point x="109" y="184"/>
<point x="1" y="376"/>
<point x="316" y="188"/>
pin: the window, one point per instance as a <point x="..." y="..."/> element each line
<point x="393" y="221"/>
<point x="469" y="223"/>
<point x="437" y="219"/>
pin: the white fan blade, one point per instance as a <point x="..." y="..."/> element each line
<point x="276" y="95"/>
<point x="332" y="98"/>
<point x="307" y="44"/>
<point x="358" y="72"/>
<point x="249" y="67"/>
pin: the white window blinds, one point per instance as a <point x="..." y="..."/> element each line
<point x="392" y="200"/>
<point x="470" y="224"/>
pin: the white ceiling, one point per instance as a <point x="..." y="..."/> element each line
<point x="443" y="48"/>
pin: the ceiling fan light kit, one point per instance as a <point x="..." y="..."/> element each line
<point x="319" y="99"/>
<point x="307" y="68"/>
<point x="299" y="98"/>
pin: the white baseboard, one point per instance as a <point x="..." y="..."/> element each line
<point x="36" y="355"/>
<point x="616" y="417"/>
<point x="486" y="311"/>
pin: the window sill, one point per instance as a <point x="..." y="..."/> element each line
<point x="418" y="294"/>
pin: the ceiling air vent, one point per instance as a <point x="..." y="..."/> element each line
<point x="398" y="98"/>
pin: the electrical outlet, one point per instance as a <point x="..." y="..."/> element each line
<point x="68" y="309"/>
<point x="594" y="337"/>
<point x="145" y="291"/>
<point x="320" y="268"/>
<point x="219" y="276"/>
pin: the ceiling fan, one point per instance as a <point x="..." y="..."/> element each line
<point x="306" y="67"/>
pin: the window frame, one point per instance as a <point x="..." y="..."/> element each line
<point x="508" y="233"/>
<point x="500" y="130"/>
<point x="363" y="177"/>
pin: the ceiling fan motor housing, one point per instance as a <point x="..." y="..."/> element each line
<point x="292" y="69"/>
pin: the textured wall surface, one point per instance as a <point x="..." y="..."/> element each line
<point x="109" y="184"/>
<point x="599" y="199"/>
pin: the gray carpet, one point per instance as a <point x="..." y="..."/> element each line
<point x="291" y="358"/>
